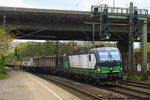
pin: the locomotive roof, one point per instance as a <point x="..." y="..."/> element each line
<point x="104" y="49"/>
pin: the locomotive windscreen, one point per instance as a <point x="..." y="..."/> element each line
<point x="109" y="55"/>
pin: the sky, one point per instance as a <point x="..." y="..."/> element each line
<point x="72" y="4"/>
<point x="80" y="5"/>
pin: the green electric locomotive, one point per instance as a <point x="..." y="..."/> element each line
<point x="102" y="65"/>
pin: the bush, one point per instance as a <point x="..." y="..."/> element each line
<point x="2" y="64"/>
<point x="2" y="75"/>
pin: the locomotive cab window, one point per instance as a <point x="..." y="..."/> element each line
<point x="103" y="55"/>
<point x="115" y="55"/>
<point x="109" y="55"/>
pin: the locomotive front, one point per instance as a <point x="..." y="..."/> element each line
<point x="108" y="63"/>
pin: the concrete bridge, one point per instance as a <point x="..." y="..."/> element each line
<point x="48" y="24"/>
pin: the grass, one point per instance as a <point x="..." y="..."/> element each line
<point x="148" y="79"/>
<point x="137" y="76"/>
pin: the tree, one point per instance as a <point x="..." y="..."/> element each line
<point x="139" y="49"/>
<point x="65" y="47"/>
<point x="48" y="48"/>
<point x="5" y="45"/>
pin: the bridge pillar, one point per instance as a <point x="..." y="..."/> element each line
<point x="56" y="53"/>
<point x="122" y="46"/>
<point x="144" y="50"/>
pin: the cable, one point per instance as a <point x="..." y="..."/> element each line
<point x="85" y="34"/>
<point x="100" y="2"/>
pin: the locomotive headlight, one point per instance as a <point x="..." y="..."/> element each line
<point x="99" y="69"/>
<point x="110" y="68"/>
<point x="121" y="68"/>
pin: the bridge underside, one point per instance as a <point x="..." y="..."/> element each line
<point x="45" y="24"/>
<point x="82" y="34"/>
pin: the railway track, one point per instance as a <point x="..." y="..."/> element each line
<point x="92" y="95"/>
<point x="133" y="89"/>
<point x="133" y="94"/>
<point x="137" y="84"/>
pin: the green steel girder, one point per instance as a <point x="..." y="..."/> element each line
<point x="118" y="17"/>
<point x="125" y="17"/>
<point x="144" y="50"/>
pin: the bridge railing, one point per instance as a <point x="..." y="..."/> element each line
<point x="126" y="11"/>
<point x="121" y="11"/>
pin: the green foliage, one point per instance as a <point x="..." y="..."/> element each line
<point x="32" y="49"/>
<point x="6" y="38"/>
<point x="10" y="57"/>
<point x="137" y="76"/>
<point x="67" y="46"/>
<point x="148" y="47"/>
<point x="48" y="48"/>
<point x="148" y="79"/>
<point x="86" y="45"/>
<point x="109" y="44"/>
<point x="3" y="75"/>
<point x="1" y="64"/>
<point x="139" y="49"/>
